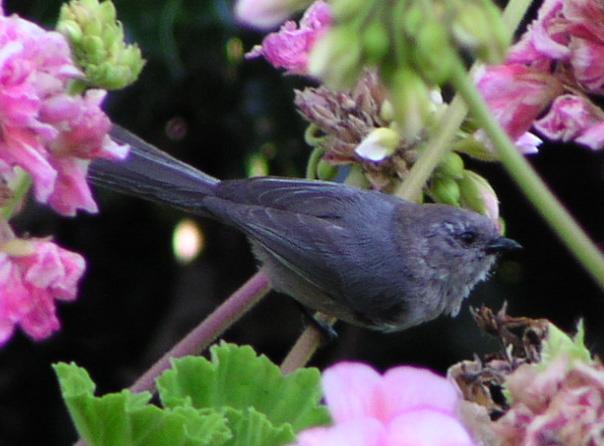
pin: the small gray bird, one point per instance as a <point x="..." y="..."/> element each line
<point x="365" y="257"/>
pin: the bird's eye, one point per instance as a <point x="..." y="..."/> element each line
<point x="467" y="237"/>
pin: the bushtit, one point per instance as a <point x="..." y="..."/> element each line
<point x="365" y="257"/>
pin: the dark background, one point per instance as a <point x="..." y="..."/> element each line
<point x="136" y="300"/>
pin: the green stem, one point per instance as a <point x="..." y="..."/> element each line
<point x="529" y="181"/>
<point x="21" y="188"/>
<point x="313" y="161"/>
<point x="440" y="143"/>
<point x="436" y="148"/>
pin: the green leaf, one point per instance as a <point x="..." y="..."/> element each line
<point x="252" y="428"/>
<point x="126" y="419"/>
<point x="559" y="343"/>
<point x="236" y="377"/>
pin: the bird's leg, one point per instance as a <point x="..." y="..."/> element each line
<point x="328" y="333"/>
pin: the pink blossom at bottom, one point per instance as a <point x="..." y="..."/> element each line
<point x="33" y="274"/>
<point x="406" y="406"/>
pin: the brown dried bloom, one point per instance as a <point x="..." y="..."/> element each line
<point x="542" y="389"/>
<point x="346" y="118"/>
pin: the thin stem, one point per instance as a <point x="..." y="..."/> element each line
<point x="313" y="161"/>
<point x="529" y="181"/>
<point x="229" y="312"/>
<point x="306" y="345"/>
<point x="436" y="148"/>
<point x="21" y="188"/>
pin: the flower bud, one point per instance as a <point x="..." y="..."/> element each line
<point x="410" y="98"/>
<point x="344" y="10"/>
<point x="475" y="148"/>
<point x="97" y="42"/>
<point x="445" y="190"/>
<point x="478" y="26"/>
<point x="433" y="55"/>
<point x="326" y="171"/>
<point x="336" y="58"/>
<point x="379" y="144"/>
<point x="375" y="43"/>
<point x="478" y="195"/>
<point x="452" y="166"/>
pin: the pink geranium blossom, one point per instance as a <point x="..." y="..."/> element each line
<point x="33" y="274"/>
<point x="43" y="128"/>
<point x="290" y="47"/>
<point x="572" y="118"/>
<point x="517" y="94"/>
<point x="564" y="48"/>
<point x="406" y="406"/>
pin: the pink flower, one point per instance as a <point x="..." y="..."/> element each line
<point x="41" y="125"/>
<point x="263" y="14"/>
<point x="573" y="118"/>
<point x="290" y="47"/>
<point x="561" y="404"/>
<point x="406" y="406"/>
<point x="33" y="274"/>
<point x="517" y="94"/>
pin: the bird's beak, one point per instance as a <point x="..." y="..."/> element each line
<point x="502" y="244"/>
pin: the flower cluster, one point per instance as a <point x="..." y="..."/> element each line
<point x="563" y="404"/>
<point x="405" y="406"/>
<point x="290" y="47"/>
<point x="51" y="128"/>
<point x="45" y="130"/>
<point x="33" y="274"/>
<point x="555" y="68"/>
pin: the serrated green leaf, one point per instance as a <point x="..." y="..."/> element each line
<point x="236" y="377"/>
<point x="252" y="428"/>
<point x="126" y="419"/>
<point x="557" y="343"/>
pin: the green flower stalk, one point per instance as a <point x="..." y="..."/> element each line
<point x="97" y="42"/>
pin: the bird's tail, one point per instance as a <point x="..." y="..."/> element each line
<point x="152" y="174"/>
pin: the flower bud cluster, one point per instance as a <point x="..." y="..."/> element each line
<point x="97" y="41"/>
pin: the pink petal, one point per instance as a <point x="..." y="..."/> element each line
<point x="41" y="321"/>
<point x="516" y="95"/>
<point x="587" y="60"/>
<point x="528" y="143"/>
<point x="290" y="47"/>
<point x="44" y="267"/>
<point x="21" y="148"/>
<point x="426" y="428"/>
<point x="71" y="190"/>
<point x="409" y="388"/>
<point x="586" y="17"/>
<point x="568" y="117"/>
<point x="350" y="390"/>
<point x="74" y="266"/>
<point x="593" y="137"/>
<point x="360" y="432"/>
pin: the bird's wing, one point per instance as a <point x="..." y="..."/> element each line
<point x="305" y="244"/>
<point x="321" y="199"/>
